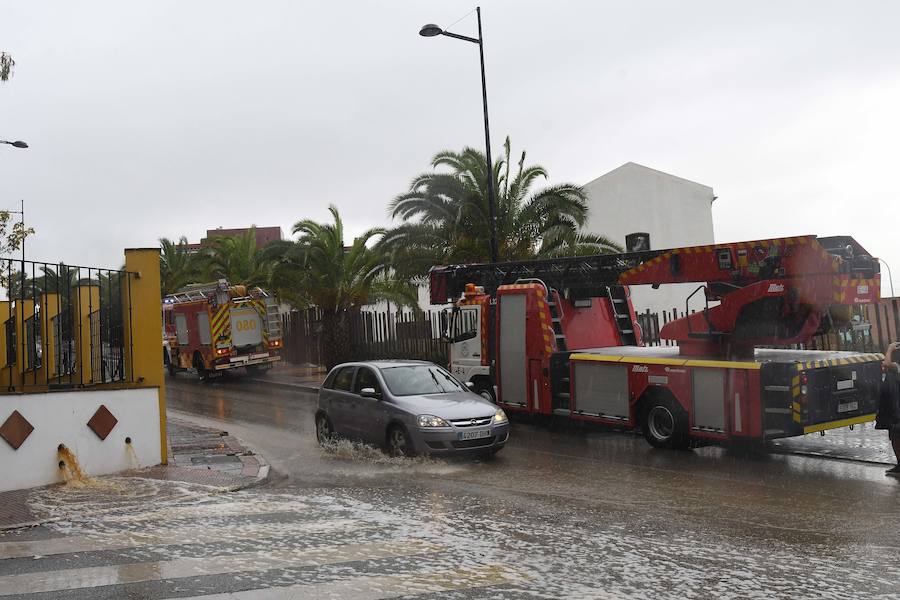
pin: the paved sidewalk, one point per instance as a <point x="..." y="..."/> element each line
<point x="306" y="378"/>
<point x="202" y="461"/>
<point x="862" y="443"/>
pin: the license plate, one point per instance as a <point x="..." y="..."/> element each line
<point x="849" y="406"/>
<point x="475" y="435"/>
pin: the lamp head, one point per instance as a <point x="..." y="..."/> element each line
<point x="430" y="30"/>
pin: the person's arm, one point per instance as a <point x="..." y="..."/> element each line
<point x="888" y="354"/>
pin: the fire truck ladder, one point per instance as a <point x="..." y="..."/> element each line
<point x="273" y="318"/>
<point x="574" y="276"/>
<point x="187" y="296"/>
<point x="556" y="315"/>
<point x="618" y="300"/>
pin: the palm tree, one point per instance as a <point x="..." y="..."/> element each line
<point x="320" y="270"/>
<point x="6" y="66"/>
<point x="237" y="259"/>
<point x="446" y="218"/>
<point x="177" y="266"/>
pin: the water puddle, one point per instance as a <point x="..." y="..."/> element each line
<point x="370" y="456"/>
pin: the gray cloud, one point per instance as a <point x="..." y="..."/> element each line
<point x="165" y="118"/>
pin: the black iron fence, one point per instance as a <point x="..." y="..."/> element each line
<point x="403" y="334"/>
<point x="65" y="325"/>
<point x="373" y="335"/>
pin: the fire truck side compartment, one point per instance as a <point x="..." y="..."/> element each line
<point x="601" y="389"/>
<point x="203" y="328"/>
<point x="512" y="349"/>
<point x="708" y="394"/>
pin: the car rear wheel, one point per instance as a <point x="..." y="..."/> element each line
<point x="398" y="443"/>
<point x="324" y="430"/>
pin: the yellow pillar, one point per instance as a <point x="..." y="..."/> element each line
<point x="5" y="372"/>
<point x="24" y="310"/>
<point x="143" y="328"/>
<point x="49" y="310"/>
<point x="85" y="300"/>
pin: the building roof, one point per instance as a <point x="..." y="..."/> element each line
<point x="633" y="166"/>
<point x="264" y="235"/>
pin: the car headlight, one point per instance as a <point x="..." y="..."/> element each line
<point x="432" y="421"/>
<point x="500" y="417"/>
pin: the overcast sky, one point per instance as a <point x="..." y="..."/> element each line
<point x="150" y="119"/>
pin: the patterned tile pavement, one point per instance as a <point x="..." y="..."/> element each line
<point x="202" y="461"/>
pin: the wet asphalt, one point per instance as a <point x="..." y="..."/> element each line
<point x="562" y="512"/>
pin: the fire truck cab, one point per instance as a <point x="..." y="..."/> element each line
<point x="213" y="328"/>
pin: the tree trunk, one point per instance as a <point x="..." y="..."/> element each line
<point x="335" y="338"/>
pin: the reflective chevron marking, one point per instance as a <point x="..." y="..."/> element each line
<point x="163" y="537"/>
<point x="90" y="577"/>
<point x="377" y="587"/>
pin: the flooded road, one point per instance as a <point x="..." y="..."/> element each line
<point x="560" y="513"/>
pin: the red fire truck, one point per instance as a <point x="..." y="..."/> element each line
<point x="560" y="337"/>
<point x="217" y="327"/>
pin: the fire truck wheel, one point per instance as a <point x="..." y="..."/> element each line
<point x="201" y="370"/>
<point x="664" y="424"/>
<point x="257" y="371"/>
<point x="485" y="390"/>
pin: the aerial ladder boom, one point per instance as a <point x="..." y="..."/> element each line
<point x="768" y="292"/>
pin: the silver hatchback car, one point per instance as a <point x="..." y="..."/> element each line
<point x="408" y="407"/>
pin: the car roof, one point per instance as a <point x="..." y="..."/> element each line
<point x="386" y="363"/>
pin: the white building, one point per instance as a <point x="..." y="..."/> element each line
<point x="674" y="211"/>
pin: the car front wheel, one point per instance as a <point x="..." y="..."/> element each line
<point x="398" y="443"/>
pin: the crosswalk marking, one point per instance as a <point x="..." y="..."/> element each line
<point x="89" y="577"/>
<point x="161" y="537"/>
<point x="378" y="587"/>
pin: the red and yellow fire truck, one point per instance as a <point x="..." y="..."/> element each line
<point x="217" y="327"/>
<point x="560" y="337"/>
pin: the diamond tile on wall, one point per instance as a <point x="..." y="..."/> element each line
<point x="102" y="422"/>
<point x="16" y="429"/>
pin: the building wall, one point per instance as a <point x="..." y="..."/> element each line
<point x="674" y="211"/>
<point x="264" y="235"/>
<point x="62" y="417"/>
<point x="34" y="420"/>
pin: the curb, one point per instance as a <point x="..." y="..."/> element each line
<point x="262" y="477"/>
<point x="814" y="454"/>
<point x="300" y="387"/>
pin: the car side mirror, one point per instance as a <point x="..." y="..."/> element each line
<point x="470" y="385"/>
<point x="369" y="393"/>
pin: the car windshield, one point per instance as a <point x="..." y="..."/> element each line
<point x="420" y="379"/>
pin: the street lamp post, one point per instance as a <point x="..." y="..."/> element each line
<point x="431" y="30"/>
<point x="16" y="144"/>
<point x="890" y="277"/>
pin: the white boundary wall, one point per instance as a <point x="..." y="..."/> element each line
<point x="674" y="211"/>
<point x="61" y="418"/>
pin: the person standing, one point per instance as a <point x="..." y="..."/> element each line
<point x="888" y="416"/>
